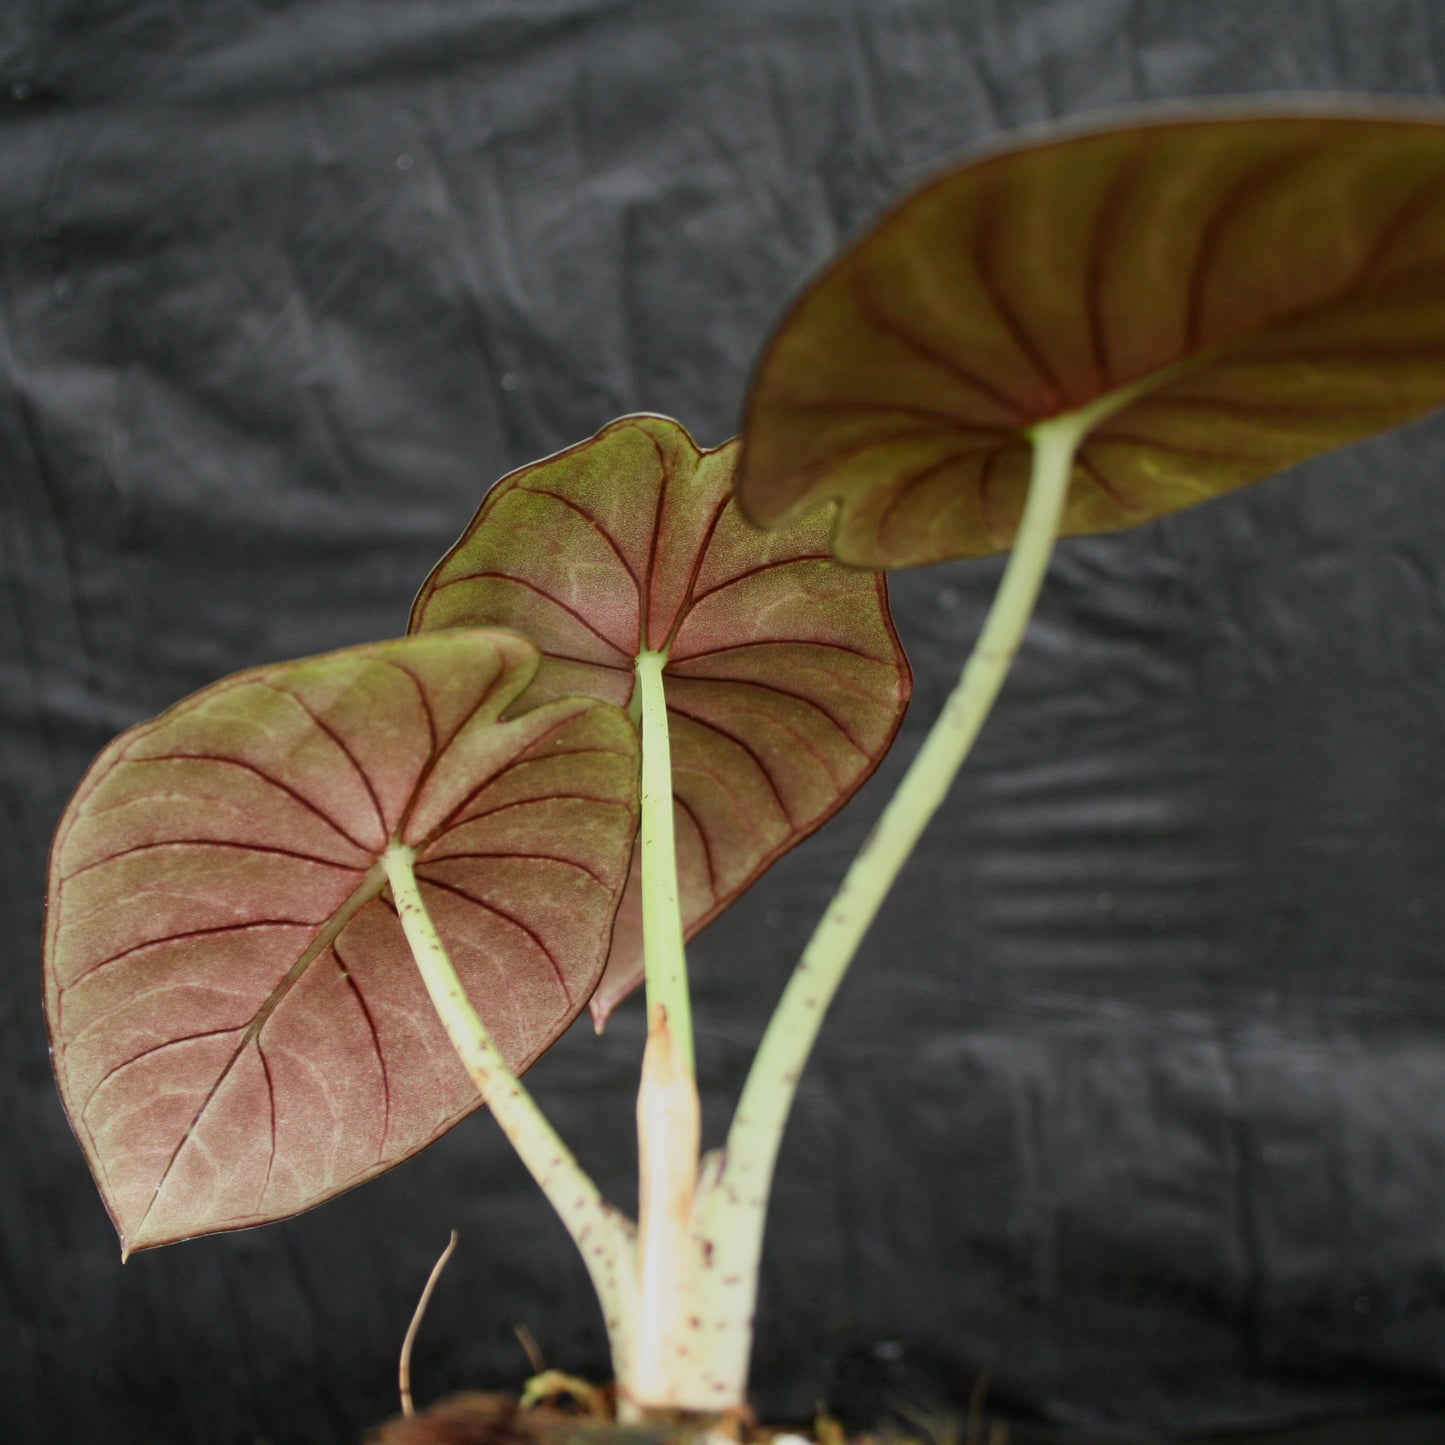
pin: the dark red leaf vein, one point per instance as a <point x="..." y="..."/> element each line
<point x="774" y="566"/>
<point x="911" y="341"/>
<point x="265" y="777"/>
<point x="810" y="642"/>
<point x="805" y="476"/>
<point x="340" y="743"/>
<point x="552" y="655"/>
<point x="344" y="969"/>
<point x="904" y="487"/>
<point x="526" y="755"/>
<point x="271" y="1102"/>
<point x="181" y="937"/>
<point x="591" y="521"/>
<point x="805" y="744"/>
<point x="947" y="420"/>
<point x="808" y="702"/>
<point x="745" y="747"/>
<point x="438" y="753"/>
<point x="426" y="707"/>
<point x="1422" y="198"/>
<point x="536" y="802"/>
<point x="689" y="600"/>
<point x="115" y="1069"/>
<point x="525" y="858"/>
<point x="997" y="535"/>
<point x="1107" y="487"/>
<point x="684" y="807"/>
<point x="983" y="264"/>
<point x="833" y="680"/>
<point x="546" y="596"/>
<point x="211" y="843"/>
<point x="1227" y="210"/>
<point x="506" y="917"/>
<point x="1101" y="230"/>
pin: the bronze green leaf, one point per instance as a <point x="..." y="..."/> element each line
<point x="1250" y="290"/>
<point x="238" y="1029"/>
<point x="785" y="681"/>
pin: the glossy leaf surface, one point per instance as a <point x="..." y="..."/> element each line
<point x="239" y="1031"/>
<point x="1273" y="286"/>
<point x="785" y="681"/>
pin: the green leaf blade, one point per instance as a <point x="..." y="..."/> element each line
<point x="785" y="680"/>
<point x="237" y="1027"/>
<point x="1249" y="290"/>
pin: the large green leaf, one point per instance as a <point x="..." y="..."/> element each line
<point x="1270" y="285"/>
<point x="785" y="681"/>
<point x="237" y="1026"/>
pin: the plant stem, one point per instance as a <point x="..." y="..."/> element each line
<point x="664" y="957"/>
<point x="672" y="1347"/>
<point x="734" y="1209"/>
<point x="602" y="1235"/>
<point x="670" y="1338"/>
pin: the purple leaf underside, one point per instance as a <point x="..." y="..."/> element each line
<point x="1274" y="283"/>
<point x="238" y="1029"/>
<point x="785" y="680"/>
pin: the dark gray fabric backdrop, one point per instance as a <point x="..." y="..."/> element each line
<point x="1136" y="1099"/>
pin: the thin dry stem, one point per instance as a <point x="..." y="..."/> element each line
<point x="531" y="1349"/>
<point x="403" y="1370"/>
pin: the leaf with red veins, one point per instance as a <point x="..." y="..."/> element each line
<point x="785" y="681"/>
<point x="238" y="1029"/>
<point x="1252" y="288"/>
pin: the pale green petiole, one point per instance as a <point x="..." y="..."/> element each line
<point x="737" y="1196"/>
<point x="679" y="1301"/>
<point x="604" y="1237"/>
<point x="665" y="959"/>
<point x="672" y="1343"/>
<point x="645" y="1278"/>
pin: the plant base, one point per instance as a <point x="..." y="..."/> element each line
<point x="496" y="1419"/>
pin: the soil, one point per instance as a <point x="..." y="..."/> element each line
<point x="483" y="1419"/>
<point x="494" y="1419"/>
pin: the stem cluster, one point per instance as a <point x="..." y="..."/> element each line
<point x="678" y="1291"/>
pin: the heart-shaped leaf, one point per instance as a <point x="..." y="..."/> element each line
<point x="1251" y="290"/>
<point x="785" y="681"/>
<point x="238" y="1029"/>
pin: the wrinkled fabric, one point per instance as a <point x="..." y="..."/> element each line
<point x="1136" y="1097"/>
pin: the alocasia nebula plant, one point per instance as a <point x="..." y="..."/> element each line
<point x="282" y="912"/>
